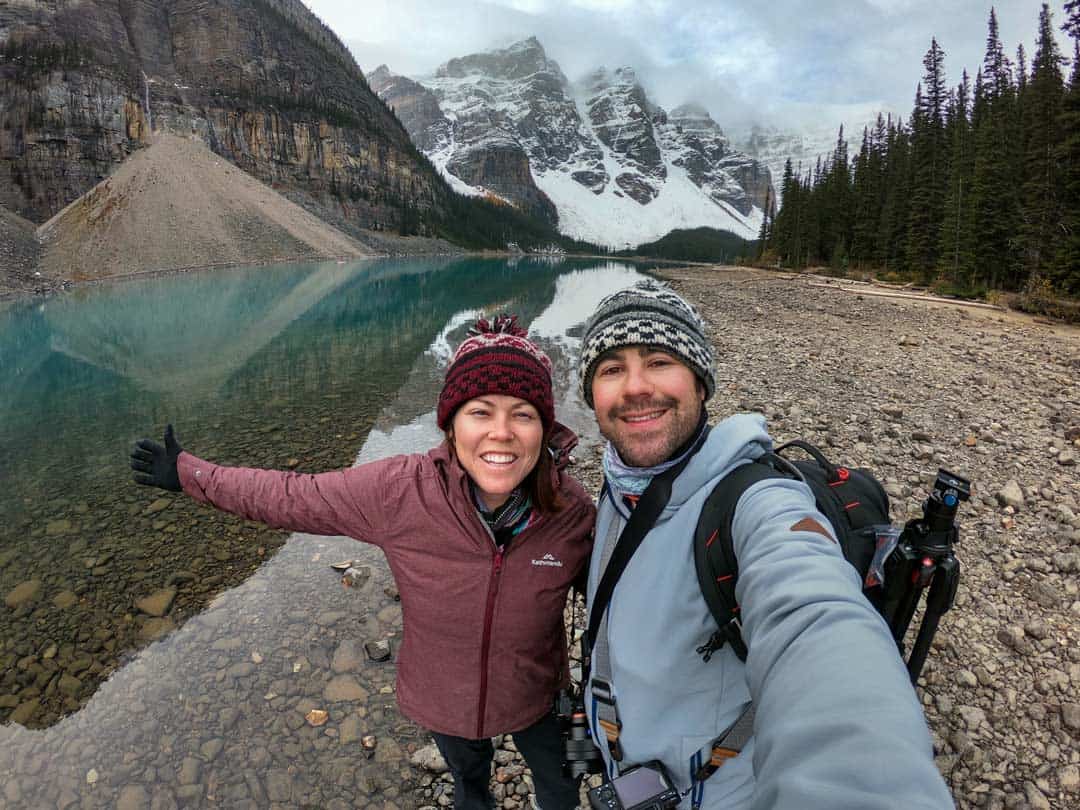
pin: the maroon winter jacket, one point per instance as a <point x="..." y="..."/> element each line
<point x="484" y="650"/>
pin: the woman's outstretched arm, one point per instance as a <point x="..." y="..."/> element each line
<point x="341" y="502"/>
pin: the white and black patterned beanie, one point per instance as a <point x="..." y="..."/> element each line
<point x="649" y="314"/>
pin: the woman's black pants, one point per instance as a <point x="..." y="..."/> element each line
<point x="540" y="744"/>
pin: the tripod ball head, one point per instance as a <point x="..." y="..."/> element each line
<point x="949" y="491"/>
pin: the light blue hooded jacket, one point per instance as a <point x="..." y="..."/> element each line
<point x="838" y="724"/>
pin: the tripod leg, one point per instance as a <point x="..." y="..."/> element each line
<point x="946" y="579"/>
<point x="921" y="647"/>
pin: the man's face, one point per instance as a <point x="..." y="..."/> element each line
<point x="647" y="403"/>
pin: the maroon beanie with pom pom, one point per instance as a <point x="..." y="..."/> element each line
<point x="497" y="358"/>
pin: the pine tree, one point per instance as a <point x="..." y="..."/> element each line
<point x="783" y="228"/>
<point x="954" y="253"/>
<point x="831" y="191"/>
<point x="1020" y="114"/>
<point x="928" y="158"/>
<point x="995" y="217"/>
<point x="892" y="233"/>
<point x="806" y="223"/>
<point x="1067" y="262"/>
<point x="763" y="232"/>
<point x="1071" y="26"/>
<point x="812" y="216"/>
<point x="864" y="190"/>
<point x="1043" y="136"/>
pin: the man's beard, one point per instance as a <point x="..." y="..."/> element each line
<point x="647" y="450"/>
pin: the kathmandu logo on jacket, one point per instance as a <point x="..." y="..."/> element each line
<point x="548" y="559"/>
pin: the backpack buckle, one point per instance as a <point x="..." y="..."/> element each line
<point x="730" y="633"/>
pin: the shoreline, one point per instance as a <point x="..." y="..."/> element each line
<point x="666" y="267"/>
<point x="67" y="285"/>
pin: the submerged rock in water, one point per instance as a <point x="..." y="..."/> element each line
<point x="22" y="593"/>
<point x="157" y="603"/>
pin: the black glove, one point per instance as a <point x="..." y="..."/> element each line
<point x="154" y="465"/>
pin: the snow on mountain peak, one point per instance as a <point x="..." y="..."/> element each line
<point x="614" y="168"/>
<point x="691" y="112"/>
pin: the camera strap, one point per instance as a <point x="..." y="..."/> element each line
<point x="615" y="556"/>
<point x="727" y="746"/>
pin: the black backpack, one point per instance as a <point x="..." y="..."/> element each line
<point x="852" y="499"/>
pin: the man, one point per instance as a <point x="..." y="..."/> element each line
<point x="837" y="722"/>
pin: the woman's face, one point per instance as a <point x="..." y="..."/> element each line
<point x="497" y="439"/>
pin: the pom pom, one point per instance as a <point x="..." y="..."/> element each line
<point x="503" y="324"/>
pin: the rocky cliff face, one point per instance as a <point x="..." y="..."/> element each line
<point x="264" y="82"/>
<point x="617" y="168"/>
<point x="415" y="106"/>
<point x="620" y="116"/>
<point x="477" y="142"/>
<point x="698" y="145"/>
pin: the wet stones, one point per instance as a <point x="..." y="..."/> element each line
<point x="346" y="657"/>
<point x="355" y="577"/>
<point x="1070" y="716"/>
<point x="316" y="717"/>
<point x="390" y="615"/>
<point x="159" y="505"/>
<point x="344" y="688"/>
<point x="25" y="712"/>
<point x="57" y="527"/>
<point x="65" y="599"/>
<point x="350" y="730"/>
<point x="157" y="603"/>
<point x="155" y="628"/>
<point x="23" y="593"/>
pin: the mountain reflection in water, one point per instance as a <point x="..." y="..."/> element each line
<point x="307" y="367"/>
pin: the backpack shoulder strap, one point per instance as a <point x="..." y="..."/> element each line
<point x="714" y="551"/>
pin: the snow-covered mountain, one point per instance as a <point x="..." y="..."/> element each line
<point x="597" y="156"/>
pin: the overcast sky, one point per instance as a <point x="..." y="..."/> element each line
<point x="780" y="62"/>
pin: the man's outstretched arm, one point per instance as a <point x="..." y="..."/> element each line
<point x="838" y="723"/>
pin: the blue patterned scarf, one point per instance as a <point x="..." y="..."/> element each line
<point x="625" y="480"/>
<point x="506" y="520"/>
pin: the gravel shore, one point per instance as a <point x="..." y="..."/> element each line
<point x="904" y="387"/>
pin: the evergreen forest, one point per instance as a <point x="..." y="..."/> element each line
<point x="978" y="191"/>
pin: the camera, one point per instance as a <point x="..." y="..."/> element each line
<point x="644" y="787"/>
<point x="580" y="754"/>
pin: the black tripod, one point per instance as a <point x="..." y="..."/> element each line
<point x="924" y="561"/>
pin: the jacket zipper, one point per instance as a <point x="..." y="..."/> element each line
<point x="489" y="612"/>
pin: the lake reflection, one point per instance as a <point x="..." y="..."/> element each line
<point x="306" y="367"/>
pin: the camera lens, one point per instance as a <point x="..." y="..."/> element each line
<point x="580" y="754"/>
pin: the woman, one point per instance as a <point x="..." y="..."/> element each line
<point x="484" y="535"/>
